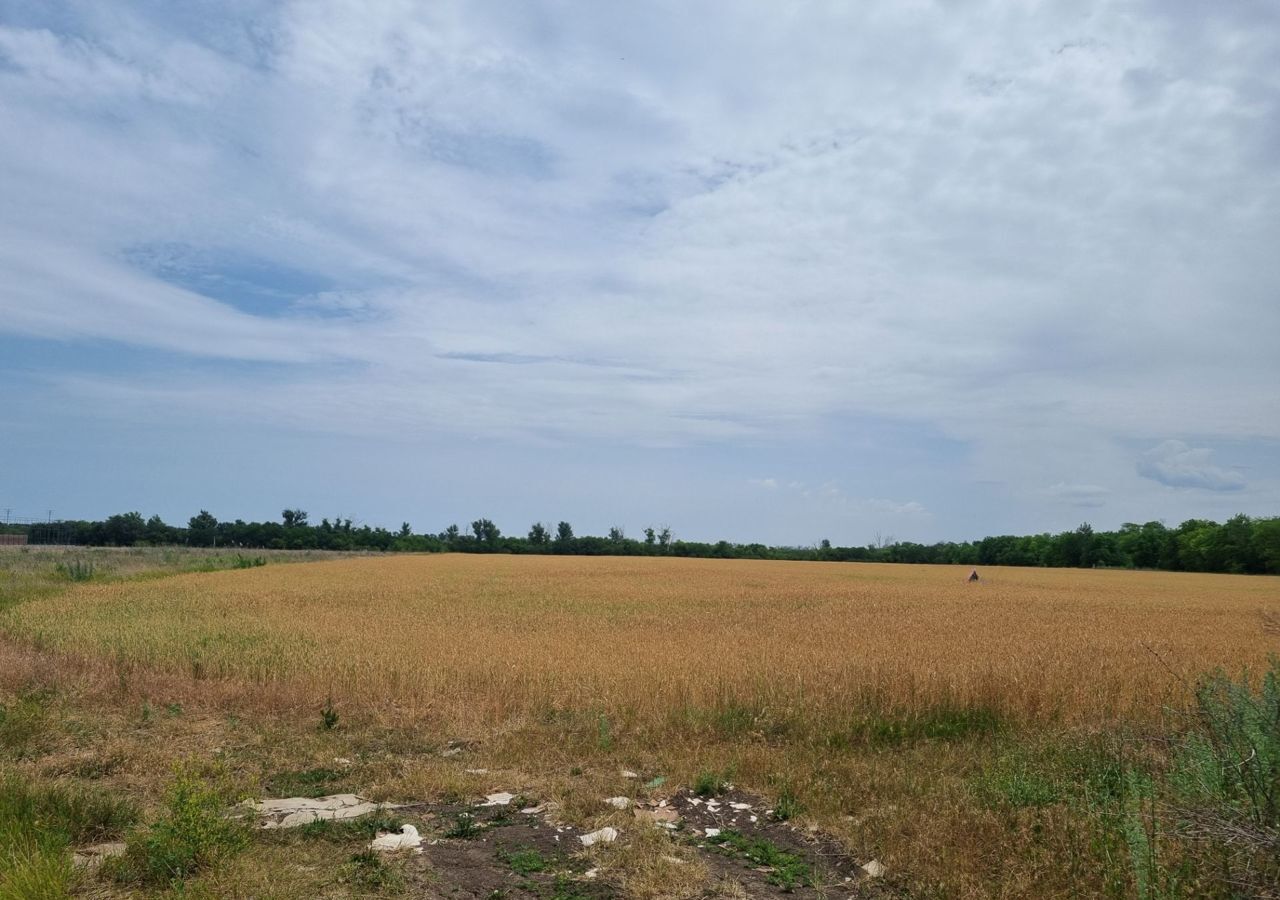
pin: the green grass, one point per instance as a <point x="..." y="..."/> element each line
<point x="305" y="783"/>
<point x="940" y="723"/>
<point x="367" y="872"/>
<point x="524" y="861"/>
<point x="39" y="825"/>
<point x="194" y="834"/>
<point x="789" y="870"/>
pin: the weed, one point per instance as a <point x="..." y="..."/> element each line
<point x="338" y="830"/>
<point x="789" y="870"/>
<point x="708" y="784"/>
<point x="787" y="806"/>
<point x="604" y="732"/>
<point x="940" y="723"/>
<point x="328" y="716"/>
<point x="304" y="783"/>
<point x="464" y="827"/>
<point x="248" y="562"/>
<point x="22" y="724"/>
<point x="192" y="835"/>
<point x="524" y="861"/>
<point x="76" y="570"/>
<point x="366" y="871"/>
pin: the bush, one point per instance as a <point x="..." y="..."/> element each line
<point x="194" y="834"/>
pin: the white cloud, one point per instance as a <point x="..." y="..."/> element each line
<point x="1175" y="464"/>
<point x="1039" y="234"/>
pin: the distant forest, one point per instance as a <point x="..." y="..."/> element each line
<point x="1241" y="545"/>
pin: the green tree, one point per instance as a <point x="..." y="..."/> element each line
<point x="564" y="532"/>
<point x="203" y="529"/>
<point x="294" y="518"/>
<point x="538" y="535"/>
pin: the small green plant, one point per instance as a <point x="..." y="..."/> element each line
<point x="76" y="570"/>
<point x="604" y="732"/>
<point x="945" y="722"/>
<point x="248" y="562"/>
<point x="787" y="806"/>
<point x="304" y="783"/>
<point x="193" y="834"/>
<point x="525" y="861"/>
<point x="464" y="827"/>
<point x="708" y="784"/>
<point x="328" y="716"/>
<point x="367" y="871"/>
<point x="789" y="870"/>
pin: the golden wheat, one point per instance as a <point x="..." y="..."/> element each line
<point x="485" y="640"/>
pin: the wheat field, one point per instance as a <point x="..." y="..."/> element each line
<point x="485" y="641"/>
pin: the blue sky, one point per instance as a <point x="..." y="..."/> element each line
<point x="923" y="270"/>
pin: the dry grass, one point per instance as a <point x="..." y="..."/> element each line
<point x="564" y="670"/>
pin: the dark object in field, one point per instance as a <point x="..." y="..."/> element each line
<point x="973" y="576"/>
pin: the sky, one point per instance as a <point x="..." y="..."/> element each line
<point x="768" y="272"/>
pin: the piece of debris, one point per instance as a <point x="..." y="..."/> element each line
<point x="603" y="836"/>
<point x="407" y="839"/>
<point x="533" y="810"/>
<point x="88" y="857"/>
<point x="591" y="873"/>
<point x="874" y="869"/>
<point x="657" y="782"/>
<point x="740" y="806"/>
<point x="675" y="859"/>
<point x="627" y="773"/>
<point x="659" y="816"/>
<point x="477" y="771"/>
<point x="342" y="760"/>
<point x="712" y="832"/>
<point x="502" y="798"/>
<point x="619" y="802"/>
<point x="291" y="812"/>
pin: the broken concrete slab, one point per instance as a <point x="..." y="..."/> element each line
<point x="290" y="812"/>
<point x="89" y="857"/>
<point x="407" y="839"/>
<point x="875" y="869"/>
<point x="502" y="798"/>
<point x="618" y="802"/>
<point x="603" y="836"/>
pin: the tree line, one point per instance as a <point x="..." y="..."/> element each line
<point x="1241" y="545"/>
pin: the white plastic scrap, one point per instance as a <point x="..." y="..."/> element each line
<point x="619" y="802"/>
<point x="740" y="805"/>
<point x="502" y="798"/>
<point x="712" y="832"/>
<point x="533" y="810"/>
<point x="294" y="811"/>
<point x="603" y="836"/>
<point x="627" y="773"/>
<point x="874" y="869"/>
<point x="407" y="839"/>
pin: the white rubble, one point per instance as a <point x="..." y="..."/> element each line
<point x="291" y="812"/>
<point x="502" y="798"/>
<point x="712" y="832"/>
<point x="619" y="802"/>
<point x="407" y="839"/>
<point x="874" y="869"/>
<point x="603" y="836"/>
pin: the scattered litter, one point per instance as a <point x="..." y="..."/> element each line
<point x="591" y="873"/>
<point x="603" y="836"/>
<point x="694" y="801"/>
<point x="755" y="818"/>
<point x="294" y="811"/>
<point x="674" y="859"/>
<point x="662" y="803"/>
<point x="407" y="839"/>
<point x="342" y="760"/>
<point x="712" y="832"/>
<point x="874" y="869"/>
<point x="88" y="857"/>
<point x="477" y="771"/>
<point x="656" y="782"/>
<point x="502" y="798"/>
<point x="627" y="773"/>
<point x="533" y="810"/>
<point x="740" y="806"/>
<point x="451" y="751"/>
<point x="619" y="802"/>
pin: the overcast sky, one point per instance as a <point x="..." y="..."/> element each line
<point x="762" y="271"/>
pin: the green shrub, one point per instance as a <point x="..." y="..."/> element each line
<point x="194" y="834"/>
